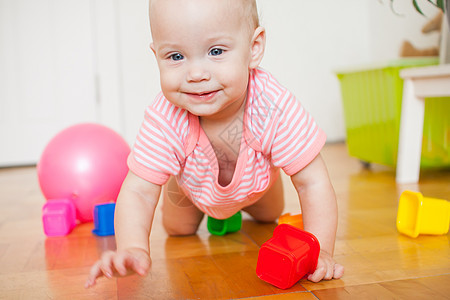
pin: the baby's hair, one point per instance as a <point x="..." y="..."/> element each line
<point x="250" y="7"/>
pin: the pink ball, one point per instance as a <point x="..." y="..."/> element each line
<point x="86" y="163"/>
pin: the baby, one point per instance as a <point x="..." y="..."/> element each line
<point x="216" y="138"/>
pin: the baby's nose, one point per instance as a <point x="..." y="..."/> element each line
<point x="197" y="72"/>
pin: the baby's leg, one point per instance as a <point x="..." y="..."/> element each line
<point x="270" y="206"/>
<point x="180" y="215"/>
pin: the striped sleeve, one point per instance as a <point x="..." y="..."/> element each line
<point x="296" y="138"/>
<point x="158" y="149"/>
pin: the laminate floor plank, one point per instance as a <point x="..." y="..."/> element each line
<point x="380" y="263"/>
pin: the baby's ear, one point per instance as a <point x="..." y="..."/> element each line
<point x="258" y="46"/>
<point x="152" y="46"/>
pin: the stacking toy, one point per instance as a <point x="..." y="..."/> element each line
<point x="422" y="215"/>
<point x="58" y="217"/>
<point x="221" y="227"/>
<point x="294" y="220"/>
<point x="288" y="256"/>
<point x="104" y="219"/>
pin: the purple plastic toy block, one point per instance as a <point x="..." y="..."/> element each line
<point x="58" y="217"/>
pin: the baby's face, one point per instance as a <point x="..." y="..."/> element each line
<point x="203" y="49"/>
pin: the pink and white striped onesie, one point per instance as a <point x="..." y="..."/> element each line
<point x="277" y="133"/>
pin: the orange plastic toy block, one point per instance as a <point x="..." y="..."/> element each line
<point x="294" y="220"/>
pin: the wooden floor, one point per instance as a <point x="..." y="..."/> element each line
<point x="380" y="263"/>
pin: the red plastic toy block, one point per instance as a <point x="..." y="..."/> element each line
<point x="288" y="256"/>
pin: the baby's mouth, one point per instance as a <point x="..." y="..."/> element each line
<point x="202" y="95"/>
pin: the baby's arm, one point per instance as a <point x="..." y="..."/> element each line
<point x="135" y="208"/>
<point x="319" y="209"/>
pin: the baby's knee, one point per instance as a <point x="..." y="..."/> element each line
<point x="177" y="230"/>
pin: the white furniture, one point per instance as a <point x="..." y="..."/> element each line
<point x="433" y="81"/>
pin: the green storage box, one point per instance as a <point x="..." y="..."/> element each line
<point x="372" y="98"/>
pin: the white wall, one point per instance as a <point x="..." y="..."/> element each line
<point x="139" y="71"/>
<point x="47" y="74"/>
<point x="307" y="40"/>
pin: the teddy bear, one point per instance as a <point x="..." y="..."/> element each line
<point x="407" y="49"/>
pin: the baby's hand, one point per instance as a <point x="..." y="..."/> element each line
<point x="122" y="263"/>
<point x="326" y="268"/>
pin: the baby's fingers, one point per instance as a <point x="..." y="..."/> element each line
<point x="119" y="264"/>
<point x="327" y="272"/>
<point x="138" y="262"/>
<point x="106" y="263"/>
<point x="93" y="275"/>
<point x="100" y="268"/>
<point x="319" y="274"/>
<point x="338" y="271"/>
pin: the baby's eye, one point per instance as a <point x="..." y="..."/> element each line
<point x="215" y="51"/>
<point x="176" y="56"/>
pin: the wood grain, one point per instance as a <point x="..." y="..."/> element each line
<point x="380" y="263"/>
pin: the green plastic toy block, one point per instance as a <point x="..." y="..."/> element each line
<point x="221" y="227"/>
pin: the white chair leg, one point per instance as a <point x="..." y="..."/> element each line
<point x="410" y="139"/>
